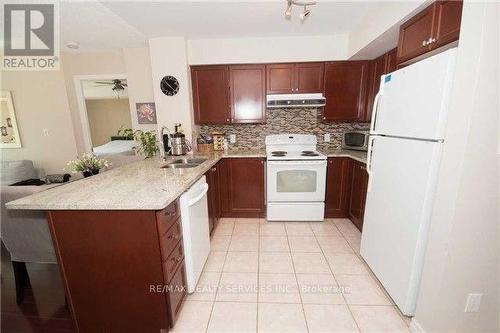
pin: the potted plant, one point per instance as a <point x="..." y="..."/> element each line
<point x="148" y="143"/>
<point x="88" y="164"/>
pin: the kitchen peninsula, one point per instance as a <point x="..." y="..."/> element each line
<point x="117" y="235"/>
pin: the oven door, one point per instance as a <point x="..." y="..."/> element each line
<point x="299" y="181"/>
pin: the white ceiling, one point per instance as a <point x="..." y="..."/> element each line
<point x="115" y="24"/>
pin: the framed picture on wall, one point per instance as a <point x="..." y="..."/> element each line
<point x="9" y="133"/>
<point x="146" y="113"/>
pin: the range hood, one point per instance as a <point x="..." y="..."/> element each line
<point x="295" y="100"/>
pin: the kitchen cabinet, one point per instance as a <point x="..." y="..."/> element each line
<point x="213" y="196"/>
<point x="433" y="27"/>
<point x="384" y="64"/>
<point x="345" y="90"/>
<point x="359" y="184"/>
<point x="242" y="187"/>
<point x="338" y="186"/>
<point x="210" y="94"/>
<point x="292" y="78"/>
<point x="109" y="257"/>
<point x="248" y="93"/>
<point x="224" y="94"/>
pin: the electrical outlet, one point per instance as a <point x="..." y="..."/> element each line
<point x="45" y="132"/>
<point x="327" y="137"/>
<point x="232" y="138"/>
<point x="473" y="302"/>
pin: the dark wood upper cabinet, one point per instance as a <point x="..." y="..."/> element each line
<point x="338" y="185"/>
<point x="210" y="94"/>
<point x="280" y="78"/>
<point x="391" y="63"/>
<point x="345" y="90"/>
<point x="309" y="77"/>
<point x="359" y="184"/>
<point x="306" y="77"/>
<point x="377" y="69"/>
<point x="414" y="35"/>
<point x="433" y="27"/>
<point x="448" y="16"/>
<point x="248" y="93"/>
<point x="242" y="187"/>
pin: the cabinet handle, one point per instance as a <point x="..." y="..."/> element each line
<point x="173" y="237"/>
<point x="213" y="169"/>
<point x="227" y="120"/>
<point x="433" y="40"/>
<point x="169" y="214"/>
<point x="324" y="118"/>
<point x="424" y="43"/>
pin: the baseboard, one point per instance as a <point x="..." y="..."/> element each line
<point x="415" y="326"/>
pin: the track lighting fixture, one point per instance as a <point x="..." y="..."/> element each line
<point x="304" y="15"/>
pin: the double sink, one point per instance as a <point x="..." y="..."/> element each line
<point x="183" y="163"/>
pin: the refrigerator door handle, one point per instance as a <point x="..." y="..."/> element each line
<point x="371" y="139"/>
<point x="374" y="113"/>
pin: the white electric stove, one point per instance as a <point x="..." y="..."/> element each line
<point x="296" y="178"/>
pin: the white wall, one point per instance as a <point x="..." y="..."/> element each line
<point x="383" y="21"/>
<point x="278" y="49"/>
<point x="40" y="102"/>
<point x="140" y="82"/>
<point x="463" y="250"/>
<point x="169" y="57"/>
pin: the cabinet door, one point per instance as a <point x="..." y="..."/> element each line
<point x="211" y="199"/>
<point x="248" y="93"/>
<point x="245" y="187"/>
<point x="377" y="68"/>
<point x="210" y="94"/>
<point x="309" y="77"/>
<point x="280" y="78"/>
<point x="414" y="34"/>
<point x="176" y="295"/>
<point x="345" y="90"/>
<point x="447" y="19"/>
<point x="391" y="62"/>
<point x="359" y="185"/>
<point x="338" y="184"/>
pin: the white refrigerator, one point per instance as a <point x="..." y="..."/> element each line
<point x="406" y="139"/>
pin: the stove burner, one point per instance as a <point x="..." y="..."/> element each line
<point x="309" y="154"/>
<point x="278" y="153"/>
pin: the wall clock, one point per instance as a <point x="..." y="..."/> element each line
<point x="169" y="85"/>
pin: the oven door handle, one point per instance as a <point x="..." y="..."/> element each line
<point x="320" y="162"/>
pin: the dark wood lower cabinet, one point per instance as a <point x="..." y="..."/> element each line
<point x="346" y="185"/>
<point x="359" y="184"/>
<point x="112" y="264"/>
<point x="338" y="186"/>
<point x="242" y="187"/>
<point x="213" y="196"/>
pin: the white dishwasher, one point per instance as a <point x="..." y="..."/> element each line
<point x="195" y="230"/>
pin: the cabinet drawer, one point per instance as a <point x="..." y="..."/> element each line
<point x="169" y="240"/>
<point x="173" y="261"/>
<point x="166" y="217"/>
<point x="177" y="293"/>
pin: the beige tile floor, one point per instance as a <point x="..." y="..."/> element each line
<point x="288" y="277"/>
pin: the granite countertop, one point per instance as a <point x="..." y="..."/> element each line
<point x="354" y="154"/>
<point x="142" y="185"/>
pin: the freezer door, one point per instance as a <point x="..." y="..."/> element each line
<point x="414" y="100"/>
<point x="397" y="214"/>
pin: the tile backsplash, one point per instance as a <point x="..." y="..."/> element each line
<point x="279" y="121"/>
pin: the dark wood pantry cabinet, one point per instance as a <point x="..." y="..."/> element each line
<point x="434" y="27"/>
<point x="345" y="91"/>
<point x="359" y="185"/>
<point x="293" y="78"/>
<point x="338" y="186"/>
<point x="242" y="187"/>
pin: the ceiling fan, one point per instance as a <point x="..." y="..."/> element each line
<point x="118" y="85"/>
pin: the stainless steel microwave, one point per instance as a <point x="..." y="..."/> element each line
<point x="356" y="140"/>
